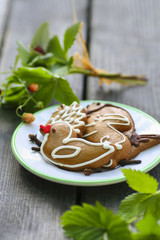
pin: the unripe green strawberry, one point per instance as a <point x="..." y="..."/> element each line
<point x="28" y="117"/>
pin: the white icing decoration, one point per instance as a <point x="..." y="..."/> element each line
<point x="96" y="119"/>
<point x="90" y="125"/>
<point x="112" y="116"/>
<point x="109" y="164"/>
<point x="57" y="117"/>
<point x="123" y="118"/>
<point x="56" y="110"/>
<point x="67" y="118"/>
<point x="89" y="134"/>
<point x="54" y="155"/>
<point x="68" y="139"/>
<point x="77" y="130"/>
<point x="105" y="137"/>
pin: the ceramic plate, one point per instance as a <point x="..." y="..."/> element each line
<point x="34" y="162"/>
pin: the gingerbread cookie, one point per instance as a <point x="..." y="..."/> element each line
<point x="66" y="150"/>
<point x="103" y="143"/>
<point x="101" y="136"/>
<point x="114" y="120"/>
<point x="74" y="114"/>
<point x="140" y="143"/>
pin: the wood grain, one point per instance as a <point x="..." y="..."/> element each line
<point x="30" y="206"/>
<point x="124" y="37"/>
<point x="5" y="6"/>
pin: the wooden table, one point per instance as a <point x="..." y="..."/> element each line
<point x="122" y="36"/>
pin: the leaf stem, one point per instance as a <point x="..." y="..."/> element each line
<point x="116" y="77"/>
<point x="21" y="106"/>
<point x="133" y="219"/>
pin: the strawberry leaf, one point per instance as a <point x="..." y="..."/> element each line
<point x="41" y="37"/>
<point x="55" y="48"/>
<point x="148" y="229"/>
<point x="134" y="201"/>
<point x="141" y="182"/>
<point x="70" y="35"/>
<point x="42" y="60"/>
<point x="94" y="223"/>
<point x="36" y="75"/>
<point x="23" y="53"/>
<point x="63" y="92"/>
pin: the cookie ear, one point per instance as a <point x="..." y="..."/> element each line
<point x="63" y="149"/>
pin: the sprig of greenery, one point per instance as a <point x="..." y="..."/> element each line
<point x="142" y="209"/>
<point x="94" y="222"/>
<point x="45" y="63"/>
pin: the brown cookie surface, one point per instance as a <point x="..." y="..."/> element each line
<point x="110" y="123"/>
<point x="65" y="150"/>
<point x="140" y="143"/>
<point x="101" y="136"/>
<point x="73" y="114"/>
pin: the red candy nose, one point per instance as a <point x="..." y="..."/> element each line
<point x="46" y="129"/>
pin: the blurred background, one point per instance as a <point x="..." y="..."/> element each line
<point x="122" y="36"/>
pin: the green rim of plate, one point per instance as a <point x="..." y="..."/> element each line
<point x="81" y="182"/>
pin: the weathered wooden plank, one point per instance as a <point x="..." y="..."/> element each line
<point x="125" y="38"/>
<point x="30" y="206"/>
<point x="4" y="12"/>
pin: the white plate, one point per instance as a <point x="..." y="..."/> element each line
<point x="34" y="162"/>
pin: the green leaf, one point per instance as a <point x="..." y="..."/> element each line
<point x="60" y="69"/>
<point x="152" y="206"/>
<point x="16" y="61"/>
<point x="43" y="95"/>
<point x="70" y="35"/>
<point x="34" y="75"/>
<point x="42" y="60"/>
<point x="41" y="37"/>
<point x="133" y="205"/>
<point x="141" y="236"/>
<point x="148" y="225"/>
<point x="137" y="204"/>
<point x="12" y="79"/>
<point x="94" y="223"/>
<point x="13" y="100"/>
<point x="141" y="182"/>
<point x="148" y="229"/>
<point x="63" y="92"/>
<point x="55" y="48"/>
<point x="23" y="53"/>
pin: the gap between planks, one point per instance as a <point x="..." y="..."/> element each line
<point x="88" y="34"/>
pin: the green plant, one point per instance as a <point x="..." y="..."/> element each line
<point x="140" y="210"/>
<point x="44" y="65"/>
